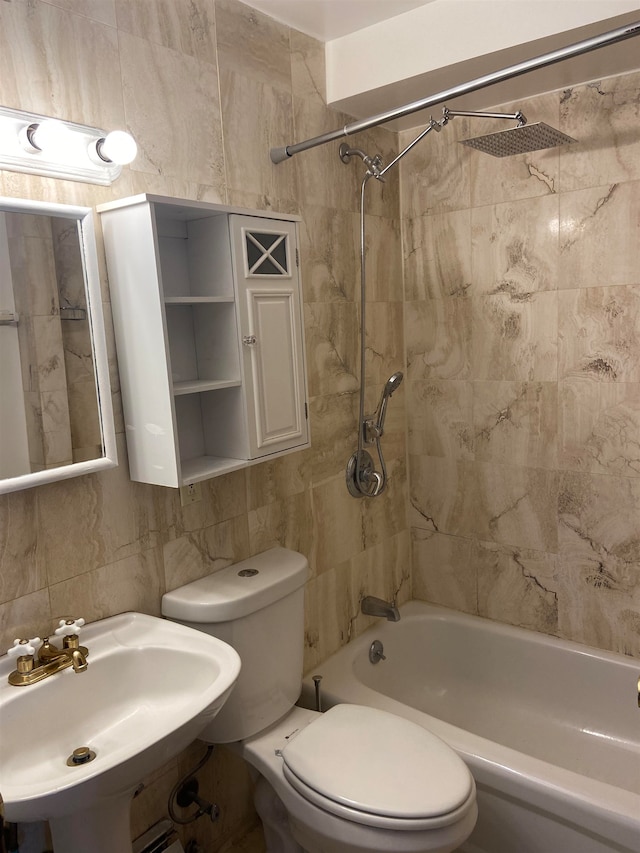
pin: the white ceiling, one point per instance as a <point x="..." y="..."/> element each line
<point x="330" y="19"/>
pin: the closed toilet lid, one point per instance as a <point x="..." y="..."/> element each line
<point x="377" y="763"/>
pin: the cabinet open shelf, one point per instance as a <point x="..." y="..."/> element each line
<point x="196" y="386"/>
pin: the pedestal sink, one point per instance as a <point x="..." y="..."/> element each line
<point x="150" y="688"/>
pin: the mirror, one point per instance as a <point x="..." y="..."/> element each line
<point x="56" y="418"/>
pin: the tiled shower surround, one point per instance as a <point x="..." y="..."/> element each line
<point x="517" y="324"/>
<point x="522" y="329"/>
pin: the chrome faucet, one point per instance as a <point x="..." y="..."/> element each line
<point x="372" y="606"/>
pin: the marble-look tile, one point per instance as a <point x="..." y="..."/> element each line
<point x="600" y="236"/>
<point x="64" y="53"/>
<point x="518" y="586"/>
<point x="386" y="516"/>
<point x="121" y="515"/>
<point x="329" y="255"/>
<point x="443" y="570"/>
<point x="437" y="256"/>
<point x="495" y="503"/>
<point x="308" y="73"/>
<point x="275" y="479"/>
<point x="24" y="617"/>
<point x="382" y="571"/>
<point x="334" y="434"/>
<point x="223" y="498"/>
<point x="438" y="335"/>
<point x="384" y="341"/>
<point x="204" y="551"/>
<point x="497" y="179"/>
<point x="603" y="117"/>
<point x="253" y="44"/>
<point x="599" y="426"/>
<point x="188" y="28"/>
<point x="383" y="263"/>
<point x="134" y="583"/>
<point x="435" y="174"/>
<point x="98" y="10"/>
<point x="337" y="523"/>
<point x="599" y="333"/>
<point x="159" y="82"/>
<point x="515" y="247"/>
<point x="516" y="423"/>
<point x="333" y="359"/>
<point x="20" y="574"/>
<point x="515" y="336"/>
<point x="255" y="115"/>
<point x="440" y="418"/>
<point x="327" y="624"/>
<point x="322" y="178"/>
<point x="599" y="552"/>
<point x="287" y="522"/>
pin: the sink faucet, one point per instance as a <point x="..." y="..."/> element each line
<point x="33" y="664"/>
<point x="372" y="606"/>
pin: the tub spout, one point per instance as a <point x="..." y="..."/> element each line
<point x="372" y="606"/>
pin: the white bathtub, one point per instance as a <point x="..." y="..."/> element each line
<point x="549" y="729"/>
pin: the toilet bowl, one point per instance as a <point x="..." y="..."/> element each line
<point x="352" y="780"/>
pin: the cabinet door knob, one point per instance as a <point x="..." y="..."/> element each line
<point x="249" y="340"/>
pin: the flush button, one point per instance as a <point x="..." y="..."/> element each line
<point x="247" y="573"/>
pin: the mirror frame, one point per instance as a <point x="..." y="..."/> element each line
<point x="86" y="235"/>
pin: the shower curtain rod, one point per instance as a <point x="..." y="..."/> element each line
<point x="572" y="50"/>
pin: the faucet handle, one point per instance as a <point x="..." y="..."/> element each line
<point x="68" y="627"/>
<point x="22" y="648"/>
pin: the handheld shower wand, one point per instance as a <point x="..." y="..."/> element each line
<point x="362" y="478"/>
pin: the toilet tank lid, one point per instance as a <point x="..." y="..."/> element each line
<point x="239" y="589"/>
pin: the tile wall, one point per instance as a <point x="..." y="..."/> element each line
<point x="207" y="88"/>
<point x="523" y="349"/>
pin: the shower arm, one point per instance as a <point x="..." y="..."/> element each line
<point x="541" y="61"/>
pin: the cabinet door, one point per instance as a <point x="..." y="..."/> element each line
<point x="270" y="322"/>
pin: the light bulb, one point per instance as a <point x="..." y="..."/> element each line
<point x="118" y="147"/>
<point x="51" y="137"/>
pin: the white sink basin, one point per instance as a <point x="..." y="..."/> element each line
<point x="150" y="688"/>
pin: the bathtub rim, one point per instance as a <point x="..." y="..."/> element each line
<point x="567" y="795"/>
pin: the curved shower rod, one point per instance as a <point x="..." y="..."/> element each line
<point x="545" y="59"/>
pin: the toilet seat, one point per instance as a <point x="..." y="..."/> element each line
<point x="375" y="768"/>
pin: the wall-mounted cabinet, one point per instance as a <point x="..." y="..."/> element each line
<point x="207" y="312"/>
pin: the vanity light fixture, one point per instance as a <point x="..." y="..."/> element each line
<point x="41" y="145"/>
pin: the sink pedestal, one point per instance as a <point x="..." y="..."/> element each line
<point x="104" y="827"/>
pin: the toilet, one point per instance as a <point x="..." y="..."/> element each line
<point x="354" y="779"/>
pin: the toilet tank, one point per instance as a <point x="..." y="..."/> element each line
<point x="257" y="606"/>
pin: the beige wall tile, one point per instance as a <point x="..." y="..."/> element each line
<point x="440" y="418"/>
<point x="437" y="256"/>
<point x="438" y="335"/>
<point x="600" y="236"/>
<point x="308" y="73"/>
<point x="599" y="333"/>
<point x="518" y="586"/>
<point x="515" y="247"/>
<point x="599" y="426"/>
<point x="444" y="571"/>
<point x="602" y="116"/>
<point x="187" y="29"/>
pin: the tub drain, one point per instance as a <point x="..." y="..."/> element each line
<point x="81" y="755"/>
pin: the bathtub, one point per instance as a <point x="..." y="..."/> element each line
<point x="550" y="729"/>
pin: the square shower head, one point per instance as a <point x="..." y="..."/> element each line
<point x="519" y="140"/>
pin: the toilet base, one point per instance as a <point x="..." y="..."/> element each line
<point x="275" y="820"/>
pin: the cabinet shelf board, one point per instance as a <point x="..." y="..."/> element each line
<point x="196" y="386"/>
<point x="204" y="467"/>
<point x="196" y="300"/>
